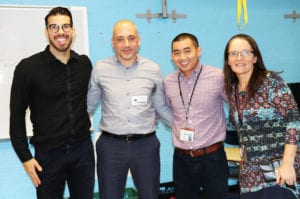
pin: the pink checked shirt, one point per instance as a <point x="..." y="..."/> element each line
<point x="206" y="109"/>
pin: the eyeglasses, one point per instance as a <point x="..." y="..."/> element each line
<point x="243" y="53"/>
<point x="55" y="27"/>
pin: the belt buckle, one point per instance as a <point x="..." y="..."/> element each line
<point x="128" y="137"/>
<point x="192" y="153"/>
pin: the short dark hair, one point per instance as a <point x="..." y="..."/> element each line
<point x="183" y="36"/>
<point x="59" y="11"/>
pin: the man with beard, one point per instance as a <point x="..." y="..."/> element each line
<point x="53" y="85"/>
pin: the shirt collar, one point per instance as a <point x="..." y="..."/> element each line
<point x="116" y="61"/>
<point x="50" y="58"/>
<point x="195" y="73"/>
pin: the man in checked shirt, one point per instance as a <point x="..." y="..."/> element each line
<point x="195" y="94"/>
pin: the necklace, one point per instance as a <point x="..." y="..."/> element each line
<point x="242" y="87"/>
<point x="240" y="103"/>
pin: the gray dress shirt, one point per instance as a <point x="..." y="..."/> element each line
<point x="129" y="97"/>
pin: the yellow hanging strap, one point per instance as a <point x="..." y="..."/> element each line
<point x="242" y="6"/>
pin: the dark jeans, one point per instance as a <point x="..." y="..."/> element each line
<point x="209" y="172"/>
<point x="115" y="157"/>
<point x="275" y="192"/>
<point x="74" y="164"/>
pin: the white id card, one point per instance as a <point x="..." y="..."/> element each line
<point x="187" y="135"/>
<point x="139" y="100"/>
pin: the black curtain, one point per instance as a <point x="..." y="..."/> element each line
<point x="295" y="88"/>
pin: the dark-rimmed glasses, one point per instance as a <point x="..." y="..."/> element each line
<point x="55" y="27"/>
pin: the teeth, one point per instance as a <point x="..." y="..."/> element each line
<point x="61" y="39"/>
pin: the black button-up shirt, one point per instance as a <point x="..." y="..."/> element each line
<point x="56" y="95"/>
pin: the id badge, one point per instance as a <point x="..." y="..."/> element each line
<point x="187" y="134"/>
<point x="140" y="100"/>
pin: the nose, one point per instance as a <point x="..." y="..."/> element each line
<point x="239" y="56"/>
<point x="126" y="42"/>
<point x="182" y="55"/>
<point x="60" y="29"/>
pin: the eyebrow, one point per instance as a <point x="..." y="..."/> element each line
<point x="187" y="48"/>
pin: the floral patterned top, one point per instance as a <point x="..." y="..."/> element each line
<point x="265" y="123"/>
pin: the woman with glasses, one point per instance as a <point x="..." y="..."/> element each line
<point x="266" y="117"/>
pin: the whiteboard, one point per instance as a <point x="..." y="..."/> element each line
<point x="21" y="35"/>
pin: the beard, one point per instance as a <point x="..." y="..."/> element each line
<point x="61" y="48"/>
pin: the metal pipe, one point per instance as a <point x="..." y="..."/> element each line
<point x="164" y="9"/>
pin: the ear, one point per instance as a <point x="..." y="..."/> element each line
<point x="254" y="60"/>
<point x="199" y="51"/>
<point x="139" y="40"/>
<point x="74" y="34"/>
<point x="46" y="34"/>
<point x="112" y="43"/>
<point x="172" y="57"/>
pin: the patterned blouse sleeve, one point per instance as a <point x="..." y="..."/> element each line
<point x="286" y="104"/>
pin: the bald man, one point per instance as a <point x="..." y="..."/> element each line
<point x="129" y="89"/>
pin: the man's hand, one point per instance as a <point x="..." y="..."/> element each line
<point x="31" y="167"/>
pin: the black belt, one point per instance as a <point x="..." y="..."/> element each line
<point x="128" y="137"/>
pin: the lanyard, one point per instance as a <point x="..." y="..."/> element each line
<point x="240" y="105"/>
<point x="242" y="6"/>
<point x="190" y="101"/>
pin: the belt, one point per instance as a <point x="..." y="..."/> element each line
<point x="128" y="137"/>
<point x="202" y="151"/>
